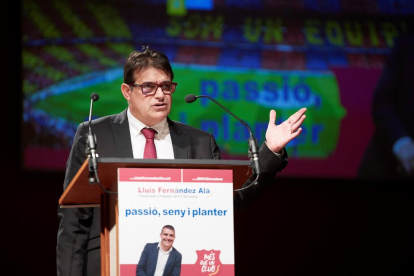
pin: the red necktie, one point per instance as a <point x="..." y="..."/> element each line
<point x="149" y="151"/>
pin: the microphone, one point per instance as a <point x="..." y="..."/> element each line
<point x="254" y="158"/>
<point x="91" y="145"/>
<point x="190" y="98"/>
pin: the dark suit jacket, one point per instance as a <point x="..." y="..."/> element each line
<point x="78" y="240"/>
<point x="148" y="261"/>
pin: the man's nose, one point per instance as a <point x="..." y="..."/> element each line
<point x="159" y="93"/>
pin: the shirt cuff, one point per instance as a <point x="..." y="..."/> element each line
<point x="279" y="154"/>
<point x="276" y="153"/>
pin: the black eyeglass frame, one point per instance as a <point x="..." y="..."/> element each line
<point x="155" y="90"/>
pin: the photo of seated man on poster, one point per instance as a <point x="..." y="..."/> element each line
<point x="160" y="258"/>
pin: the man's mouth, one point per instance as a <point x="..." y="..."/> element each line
<point x="159" y="105"/>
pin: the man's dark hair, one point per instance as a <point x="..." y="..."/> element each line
<point x="148" y="58"/>
<point x="168" y="227"/>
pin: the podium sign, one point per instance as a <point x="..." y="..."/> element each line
<point x="210" y="224"/>
<point x="198" y="203"/>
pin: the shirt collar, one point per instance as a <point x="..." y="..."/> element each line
<point x="136" y="125"/>
<point x="169" y="250"/>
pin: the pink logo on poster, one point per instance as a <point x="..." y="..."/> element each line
<point x="209" y="262"/>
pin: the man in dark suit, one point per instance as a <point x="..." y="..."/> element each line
<point x="390" y="154"/>
<point x="148" y="89"/>
<point x="160" y="257"/>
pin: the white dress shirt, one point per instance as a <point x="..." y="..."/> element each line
<point x="162" y="260"/>
<point x="162" y="139"/>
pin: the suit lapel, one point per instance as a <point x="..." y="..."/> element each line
<point x="170" y="261"/>
<point x="122" y="136"/>
<point x="153" y="256"/>
<point x="179" y="140"/>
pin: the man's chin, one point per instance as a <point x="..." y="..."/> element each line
<point x="157" y="118"/>
<point x="160" y="115"/>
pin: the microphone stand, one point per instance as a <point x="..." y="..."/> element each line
<point x="91" y="151"/>
<point x="253" y="148"/>
<point x="91" y="146"/>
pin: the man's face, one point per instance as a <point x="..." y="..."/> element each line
<point x="152" y="109"/>
<point x="167" y="238"/>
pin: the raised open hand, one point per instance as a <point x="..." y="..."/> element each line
<point x="278" y="136"/>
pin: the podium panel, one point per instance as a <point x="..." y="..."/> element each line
<point x="197" y="203"/>
<point x="81" y="193"/>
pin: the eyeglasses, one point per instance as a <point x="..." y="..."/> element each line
<point x="150" y="88"/>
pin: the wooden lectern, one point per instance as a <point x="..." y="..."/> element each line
<point x="81" y="193"/>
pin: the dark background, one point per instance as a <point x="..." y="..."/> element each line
<point x="299" y="227"/>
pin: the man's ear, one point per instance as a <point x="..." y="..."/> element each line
<point x="126" y="89"/>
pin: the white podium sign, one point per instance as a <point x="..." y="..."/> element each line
<point x="198" y="203"/>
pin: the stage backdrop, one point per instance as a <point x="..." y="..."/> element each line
<point x="251" y="56"/>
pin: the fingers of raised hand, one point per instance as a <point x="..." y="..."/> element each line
<point x="272" y="117"/>
<point x="296" y="125"/>
<point x="296" y="120"/>
<point x="296" y="116"/>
